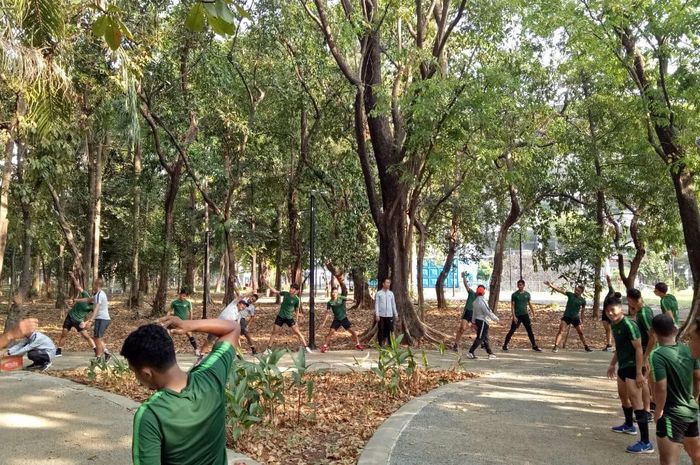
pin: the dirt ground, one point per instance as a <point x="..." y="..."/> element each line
<point x="124" y="320"/>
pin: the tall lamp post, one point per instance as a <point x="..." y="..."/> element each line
<point x="312" y="271"/>
<point x="521" y="254"/>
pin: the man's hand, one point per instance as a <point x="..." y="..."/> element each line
<point x="611" y="371"/>
<point x="515" y="320"/>
<point x="82" y="325"/>
<point x="376" y="318"/>
<point x="547" y="283"/>
<point x="171" y="322"/>
<point x="640" y="379"/>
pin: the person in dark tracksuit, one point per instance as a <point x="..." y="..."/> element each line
<point x="385" y="312"/>
<point x="482" y="315"/>
<point x="519" y="304"/>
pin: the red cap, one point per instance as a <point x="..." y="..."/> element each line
<point x="480" y="290"/>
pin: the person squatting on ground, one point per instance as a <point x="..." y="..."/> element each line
<point x="604" y="316"/>
<point x="39" y="348"/>
<point x="385" y="314"/>
<point x="631" y="385"/>
<point x="76" y="317"/>
<point x="182" y="308"/>
<point x="288" y="314"/>
<point x="482" y="315"/>
<point x="184" y="421"/>
<point x="467" y="313"/>
<point x="676" y="377"/>
<point x="336" y="306"/>
<point x="573" y="314"/>
<point x="519" y="304"/>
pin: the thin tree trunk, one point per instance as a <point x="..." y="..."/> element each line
<point x="190" y="256"/>
<point x="449" y="261"/>
<point x="36" y="288"/>
<point x="159" y="302"/>
<point x="135" y="278"/>
<point x="499" y="249"/>
<point x="61" y="278"/>
<point x="222" y="273"/>
<point x="99" y="164"/>
<point x="420" y="257"/>
<point x="278" y="255"/>
<point x="231" y="291"/>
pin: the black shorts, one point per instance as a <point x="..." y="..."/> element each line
<point x="576" y="321"/>
<point x="627" y="373"/>
<point x="279" y="321"/>
<point x="69" y="323"/>
<point x="100" y="327"/>
<point x="676" y="430"/>
<point x="345" y="323"/>
<point x="468" y="315"/>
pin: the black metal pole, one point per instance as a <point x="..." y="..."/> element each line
<point x="205" y="284"/>
<point x="312" y="273"/>
<point x="521" y="254"/>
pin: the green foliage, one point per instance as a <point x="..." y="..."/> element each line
<point x="98" y="367"/>
<point x="396" y="367"/>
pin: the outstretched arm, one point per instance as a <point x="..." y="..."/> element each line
<point x="225" y="330"/>
<point x="75" y="282"/>
<point x="554" y="288"/>
<point x="466" y="283"/>
<point x="272" y="289"/>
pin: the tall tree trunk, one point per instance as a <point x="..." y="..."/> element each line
<point x="222" y="272"/>
<point x="159" y="302"/>
<point x="628" y="278"/>
<point x="420" y="258"/>
<point x="190" y="255"/>
<point x="99" y="164"/>
<point x="262" y="274"/>
<point x="361" y="295"/>
<point x="499" y="249"/>
<point x="7" y="169"/>
<point x="90" y="151"/>
<point x="17" y="309"/>
<point x="61" y="278"/>
<point x="278" y="254"/>
<point x="231" y="291"/>
<point x="449" y="261"/>
<point x="37" y="288"/>
<point x="135" y="291"/>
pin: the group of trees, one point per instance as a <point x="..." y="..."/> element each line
<point x="132" y="128"/>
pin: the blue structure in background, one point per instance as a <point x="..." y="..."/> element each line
<point x="431" y="271"/>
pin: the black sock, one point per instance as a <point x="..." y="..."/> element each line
<point x="193" y="341"/>
<point x="629" y="421"/>
<point x="94" y="349"/>
<point x="643" y="423"/>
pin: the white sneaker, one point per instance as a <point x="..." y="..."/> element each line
<point x="46" y="367"/>
<point x="308" y="350"/>
<point x="492" y="356"/>
<point x="470" y="355"/>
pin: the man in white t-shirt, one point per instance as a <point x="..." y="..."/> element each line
<point x="100" y="316"/>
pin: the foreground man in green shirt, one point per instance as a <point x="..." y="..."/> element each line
<point x="184" y="421"/>
<point x="676" y="376"/>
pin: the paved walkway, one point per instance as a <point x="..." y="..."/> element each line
<point x="536" y="409"/>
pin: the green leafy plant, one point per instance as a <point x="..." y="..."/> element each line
<point x="300" y="382"/>
<point x="397" y="367"/>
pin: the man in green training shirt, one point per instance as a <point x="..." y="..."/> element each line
<point x="519" y="305"/>
<point x="182" y="308"/>
<point x="676" y="376"/>
<point x="184" y="421"/>
<point x="76" y="317"/>
<point x="604" y="317"/>
<point x="336" y="306"/>
<point x="669" y="304"/>
<point x="573" y="314"/>
<point x="288" y="314"/>
<point x="467" y="313"/>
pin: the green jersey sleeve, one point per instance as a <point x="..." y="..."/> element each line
<point x="147" y="439"/>
<point x="658" y="368"/>
<point x="218" y="363"/>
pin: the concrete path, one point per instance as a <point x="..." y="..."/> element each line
<point x="526" y="409"/>
<point x="53" y="421"/>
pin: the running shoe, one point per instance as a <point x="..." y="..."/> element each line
<point x="308" y="350"/>
<point x="59" y="352"/>
<point x="492" y="356"/>
<point x="324" y="348"/>
<point x="359" y="347"/>
<point x="471" y="355"/>
<point x="536" y="349"/>
<point x="641" y="448"/>
<point x="108" y="356"/>
<point x="455" y="348"/>
<point x="555" y="349"/>
<point x="504" y="348"/>
<point x="625" y="429"/>
<point x="607" y="348"/>
<point x="587" y="349"/>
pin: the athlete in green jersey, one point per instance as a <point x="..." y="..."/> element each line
<point x="336" y="306"/>
<point x="604" y="316"/>
<point x="184" y="421"/>
<point x="668" y="303"/>
<point x="467" y="313"/>
<point x="676" y="376"/>
<point x="288" y="314"/>
<point x="182" y="308"/>
<point x="519" y="305"/>
<point x="631" y="386"/>
<point x="642" y="314"/>
<point x="82" y="306"/>
<point x="573" y="314"/>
